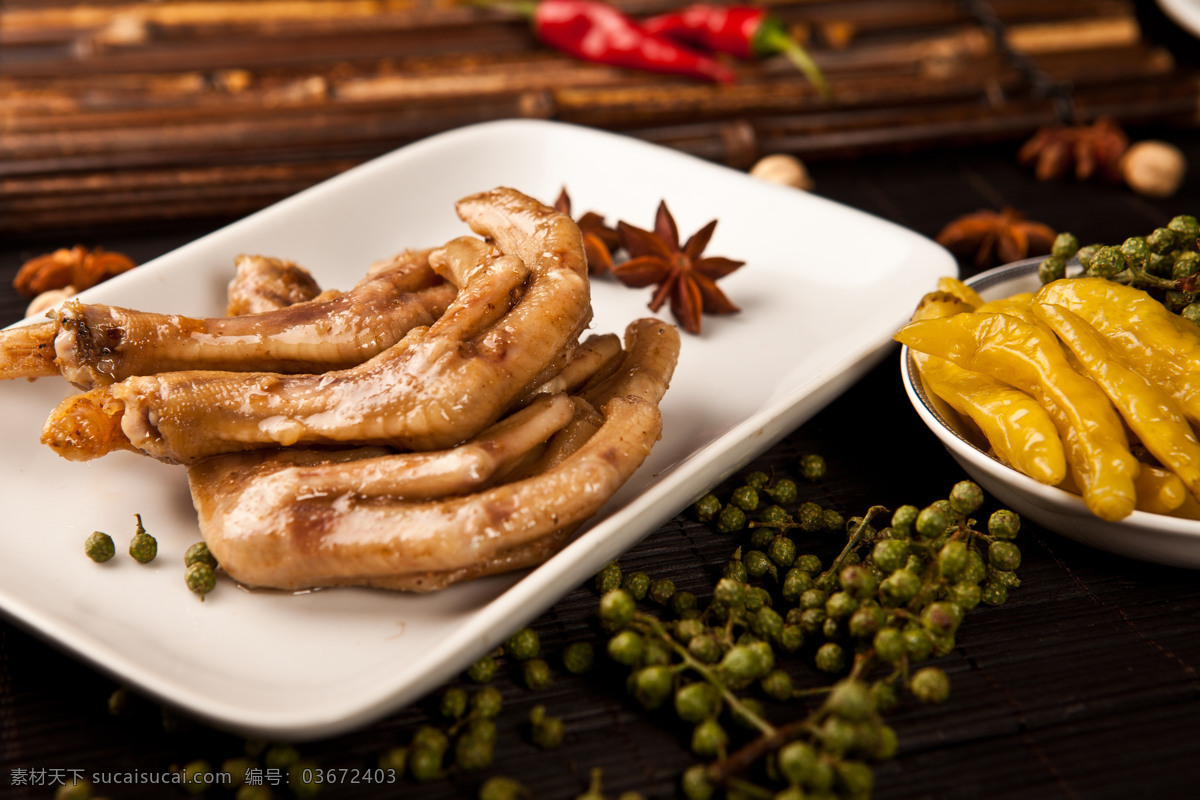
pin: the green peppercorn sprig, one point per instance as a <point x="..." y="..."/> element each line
<point x="890" y="600"/>
<point x="524" y="648"/>
<point x="1165" y="263"/>
<point x="464" y="742"/>
<point x="736" y="665"/>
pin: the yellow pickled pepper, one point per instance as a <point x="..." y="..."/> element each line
<point x="1018" y="302"/>
<point x="1016" y="426"/>
<point x="1028" y="357"/>
<point x="1160" y="491"/>
<point x="1151" y="413"/>
<point x="1162" y="346"/>
<point x="955" y="287"/>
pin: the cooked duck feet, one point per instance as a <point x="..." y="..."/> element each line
<point x="297" y="519"/>
<point x="261" y="283"/>
<point x="511" y="327"/>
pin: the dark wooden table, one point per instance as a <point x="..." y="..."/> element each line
<point x="1084" y="685"/>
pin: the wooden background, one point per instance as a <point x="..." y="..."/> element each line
<point x="132" y="112"/>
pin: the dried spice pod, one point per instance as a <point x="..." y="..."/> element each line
<point x="76" y="266"/>
<point x="1085" y="150"/>
<point x="682" y="274"/>
<point x="996" y="236"/>
<point x="599" y="240"/>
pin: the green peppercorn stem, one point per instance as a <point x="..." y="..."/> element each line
<point x="654" y="627"/>
<point x="857" y="537"/>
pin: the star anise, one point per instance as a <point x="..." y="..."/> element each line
<point x="75" y="266"/>
<point x="681" y="274"/>
<point x="1094" y="149"/>
<point x="990" y="235"/>
<point x="599" y="240"/>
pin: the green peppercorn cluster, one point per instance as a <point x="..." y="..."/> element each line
<point x="1165" y="263"/>
<point x="456" y="738"/>
<point x="736" y="665"/>
<point x="524" y="648"/>
<point x="892" y="599"/>
<point x="143" y="547"/>
<point x="465" y="743"/>
<point x="200" y="566"/>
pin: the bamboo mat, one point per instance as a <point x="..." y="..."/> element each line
<point x="114" y="112"/>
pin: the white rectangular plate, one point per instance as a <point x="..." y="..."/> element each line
<point x="823" y="289"/>
<point x="1184" y="12"/>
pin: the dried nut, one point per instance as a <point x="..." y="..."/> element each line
<point x="839" y="34"/>
<point x="48" y="300"/>
<point x="128" y="28"/>
<point x="784" y="169"/>
<point x="1154" y="168"/>
<point x="233" y="81"/>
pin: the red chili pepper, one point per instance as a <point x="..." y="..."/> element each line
<point x="595" y="31"/>
<point x="742" y="31"/>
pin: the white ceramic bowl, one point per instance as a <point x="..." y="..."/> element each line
<point x="1141" y="535"/>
